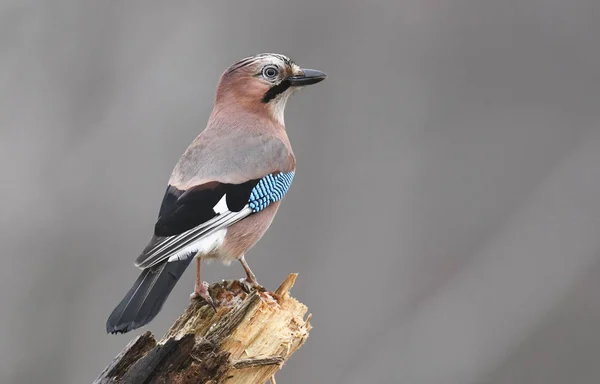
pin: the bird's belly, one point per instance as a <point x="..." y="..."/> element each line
<point x="244" y="234"/>
<point x="240" y="237"/>
<point x="211" y="248"/>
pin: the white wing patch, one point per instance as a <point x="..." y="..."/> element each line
<point x="221" y="206"/>
<point x="204" y="239"/>
<point x="203" y="246"/>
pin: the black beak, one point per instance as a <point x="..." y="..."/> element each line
<point x="311" y="76"/>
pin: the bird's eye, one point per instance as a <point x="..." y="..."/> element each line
<point x="270" y="72"/>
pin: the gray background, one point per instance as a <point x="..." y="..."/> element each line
<point x="445" y="217"/>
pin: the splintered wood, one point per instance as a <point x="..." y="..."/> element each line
<point x="247" y="340"/>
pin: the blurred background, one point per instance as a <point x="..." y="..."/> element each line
<point x="445" y="216"/>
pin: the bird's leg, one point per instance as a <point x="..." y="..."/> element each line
<point x="250" y="278"/>
<point x="201" y="287"/>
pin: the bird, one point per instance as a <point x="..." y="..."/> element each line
<point x="225" y="189"/>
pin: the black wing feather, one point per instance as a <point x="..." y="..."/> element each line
<point x="239" y="194"/>
<point x="183" y="210"/>
<point x="169" y="200"/>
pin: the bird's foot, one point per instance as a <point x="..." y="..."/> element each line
<point x="201" y="291"/>
<point x="250" y="284"/>
<point x="250" y="281"/>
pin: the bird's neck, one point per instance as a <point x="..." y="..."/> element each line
<point x="276" y="108"/>
<point x="248" y="103"/>
<point x="259" y="118"/>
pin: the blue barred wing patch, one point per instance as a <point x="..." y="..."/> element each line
<point x="269" y="189"/>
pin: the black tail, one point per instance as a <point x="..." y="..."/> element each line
<point x="145" y="299"/>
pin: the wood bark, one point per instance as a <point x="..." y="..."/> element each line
<point x="247" y="340"/>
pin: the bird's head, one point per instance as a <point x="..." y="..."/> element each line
<point x="264" y="82"/>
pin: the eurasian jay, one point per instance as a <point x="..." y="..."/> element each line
<point x="226" y="188"/>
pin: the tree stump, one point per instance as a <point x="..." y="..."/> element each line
<point x="247" y="340"/>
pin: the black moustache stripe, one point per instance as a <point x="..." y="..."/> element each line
<point x="276" y="90"/>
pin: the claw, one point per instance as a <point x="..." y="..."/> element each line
<point x="202" y="292"/>
<point x="201" y="288"/>
<point x="250" y="285"/>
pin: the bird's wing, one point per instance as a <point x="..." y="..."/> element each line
<point x="194" y="213"/>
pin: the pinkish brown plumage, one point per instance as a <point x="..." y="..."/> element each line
<point x="226" y="188"/>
